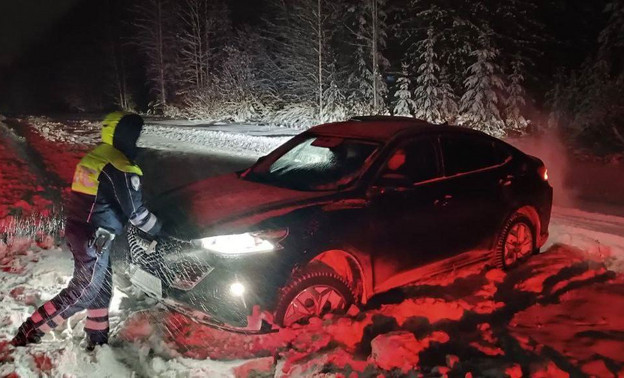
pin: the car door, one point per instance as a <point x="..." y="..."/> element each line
<point x="475" y="176"/>
<point x="405" y="210"/>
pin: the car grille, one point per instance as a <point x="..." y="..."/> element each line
<point x="168" y="261"/>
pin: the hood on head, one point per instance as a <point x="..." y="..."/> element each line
<point x="122" y="130"/>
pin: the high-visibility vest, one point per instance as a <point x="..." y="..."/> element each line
<point x="86" y="176"/>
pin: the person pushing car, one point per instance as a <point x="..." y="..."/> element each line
<point x="105" y="194"/>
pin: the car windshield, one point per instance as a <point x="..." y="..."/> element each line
<point x="316" y="163"/>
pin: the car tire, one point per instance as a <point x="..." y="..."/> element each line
<point x="516" y="242"/>
<point x="336" y="295"/>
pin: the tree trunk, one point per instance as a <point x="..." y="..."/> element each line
<point x="320" y="60"/>
<point x="375" y="55"/>
<point x="161" y="60"/>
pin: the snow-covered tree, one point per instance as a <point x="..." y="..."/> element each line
<point x="368" y="27"/>
<point x="427" y="97"/>
<point x="515" y="100"/>
<point x="153" y="24"/>
<point x="479" y="104"/>
<point x="403" y="105"/>
<point x="205" y="28"/>
<point x="434" y="98"/>
<point x="334" y="99"/>
<point x="511" y="25"/>
<point x="448" y="99"/>
<point x="299" y="34"/>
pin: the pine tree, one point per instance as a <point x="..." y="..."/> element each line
<point x="433" y="97"/>
<point x="479" y="104"/>
<point x="427" y="95"/>
<point x="448" y="107"/>
<point x="404" y="105"/>
<point x="515" y="100"/>
<point x="333" y="99"/>
<point x="367" y="86"/>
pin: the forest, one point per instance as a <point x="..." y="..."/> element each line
<point x="504" y="67"/>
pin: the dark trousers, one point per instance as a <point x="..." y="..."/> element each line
<point x="89" y="289"/>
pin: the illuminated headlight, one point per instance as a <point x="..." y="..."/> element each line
<point x="249" y="242"/>
<point x="237" y="289"/>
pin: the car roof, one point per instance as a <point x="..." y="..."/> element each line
<point x="384" y="128"/>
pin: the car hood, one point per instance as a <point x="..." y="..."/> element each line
<point x="226" y="204"/>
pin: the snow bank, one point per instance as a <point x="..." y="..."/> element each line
<point x="201" y="139"/>
<point x="76" y="133"/>
<point x="600" y="236"/>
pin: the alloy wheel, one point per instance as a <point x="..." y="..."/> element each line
<point x="518" y="243"/>
<point x="315" y="300"/>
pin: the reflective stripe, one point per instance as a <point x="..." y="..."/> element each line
<point x="45" y="327"/>
<point x="36" y="317"/>
<point x="98" y="312"/>
<point x="96" y="326"/>
<point x="86" y="176"/>
<point x="49" y="308"/>
<point x="151" y="222"/>
<point x="140" y="217"/>
<point x="58" y="320"/>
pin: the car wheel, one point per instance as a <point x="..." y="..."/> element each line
<point x="314" y="292"/>
<point x="516" y="241"/>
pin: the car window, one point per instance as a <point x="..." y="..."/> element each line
<point x="465" y="154"/>
<point x="412" y="162"/>
<point x="316" y="163"/>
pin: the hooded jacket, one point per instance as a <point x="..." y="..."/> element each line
<point x="106" y="189"/>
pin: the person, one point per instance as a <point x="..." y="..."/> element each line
<point x="105" y="194"/>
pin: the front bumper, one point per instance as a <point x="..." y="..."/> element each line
<point x="200" y="287"/>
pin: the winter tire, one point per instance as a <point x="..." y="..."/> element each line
<point x="516" y="242"/>
<point x="315" y="291"/>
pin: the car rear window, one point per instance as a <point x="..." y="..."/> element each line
<point x="466" y="154"/>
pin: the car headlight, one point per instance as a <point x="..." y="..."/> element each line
<point x="248" y="242"/>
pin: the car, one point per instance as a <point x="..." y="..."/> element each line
<point x="340" y="213"/>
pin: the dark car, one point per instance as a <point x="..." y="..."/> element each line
<point x="340" y="213"/>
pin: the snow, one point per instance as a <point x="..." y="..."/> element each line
<point x="240" y="141"/>
<point x="557" y="314"/>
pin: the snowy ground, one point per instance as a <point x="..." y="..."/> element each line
<point x="558" y="315"/>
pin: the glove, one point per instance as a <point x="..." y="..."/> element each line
<point x="102" y="241"/>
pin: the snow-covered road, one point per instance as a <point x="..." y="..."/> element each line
<point x="557" y="315"/>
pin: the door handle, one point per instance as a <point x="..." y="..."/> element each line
<point x="443" y="201"/>
<point x="506" y="181"/>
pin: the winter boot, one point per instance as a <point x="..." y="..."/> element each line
<point x="95" y="338"/>
<point x="27" y="334"/>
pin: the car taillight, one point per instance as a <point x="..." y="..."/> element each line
<point x="543" y="173"/>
